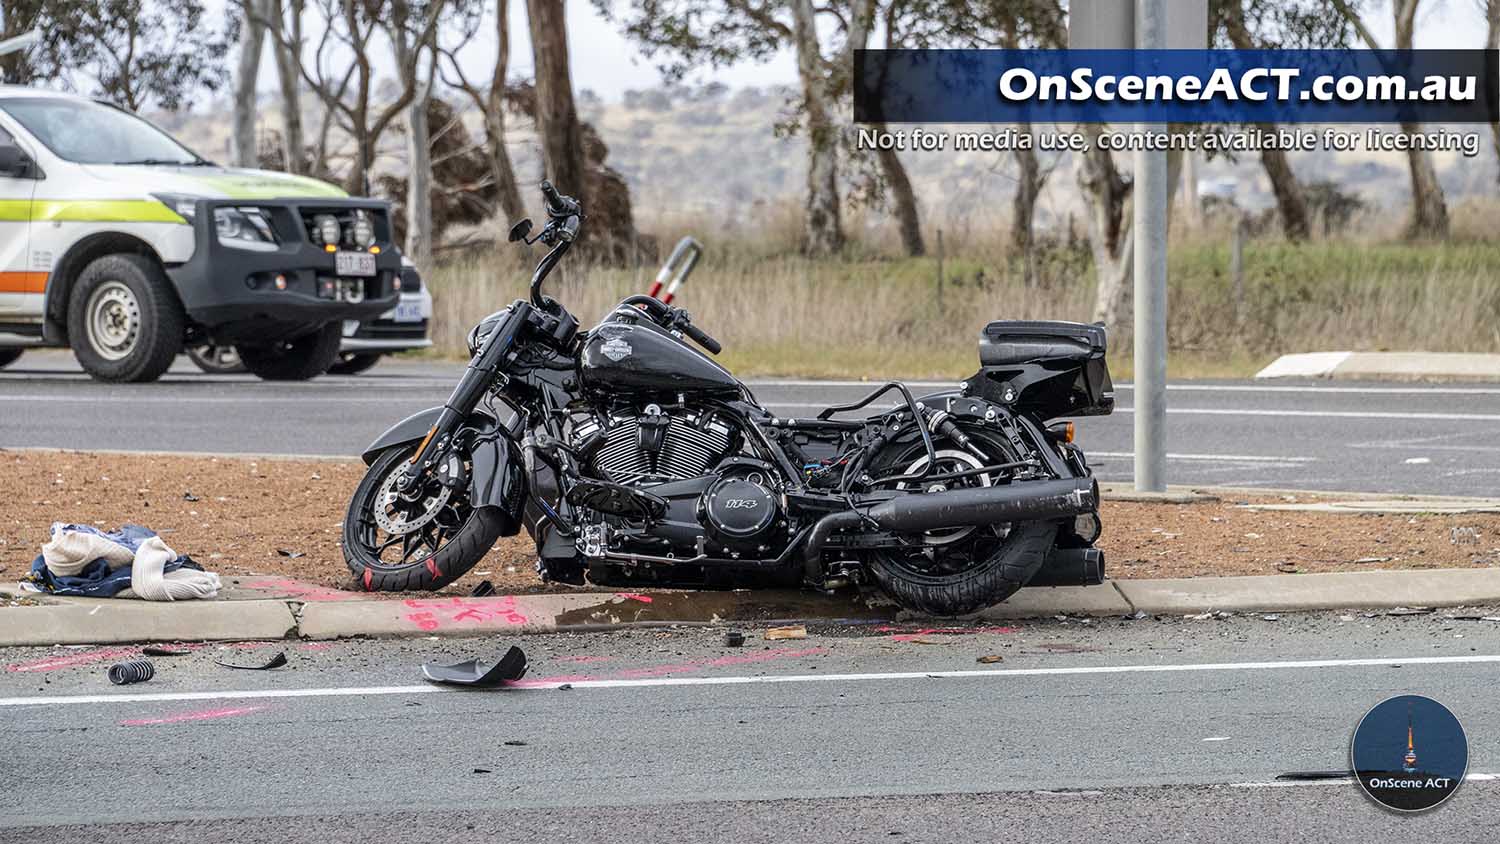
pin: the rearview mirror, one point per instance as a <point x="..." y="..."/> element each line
<point x="520" y="230"/>
<point x="13" y="162"/>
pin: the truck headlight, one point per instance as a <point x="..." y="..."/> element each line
<point x="183" y="206"/>
<point x="326" y="229"/>
<point x="244" y="228"/>
<point x="363" y="230"/>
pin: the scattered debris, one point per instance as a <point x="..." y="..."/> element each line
<point x="1287" y="568"/>
<point x="1417" y="461"/>
<point x="1373" y="560"/>
<point x="483" y="771"/>
<point x="483" y="590"/>
<point x="1138" y="615"/>
<point x="511" y="667"/>
<point x="794" y="631"/>
<point x="565" y="687"/>
<point x="274" y="662"/>
<point x="164" y="650"/>
<point x="734" y="638"/>
<point x="515" y="743"/>
<point x="1271" y="616"/>
<point x="1409" y="611"/>
<point x="132" y="671"/>
<point x="1067" y="648"/>
<point x="990" y="659"/>
<point x="189" y="496"/>
<point x="289" y="553"/>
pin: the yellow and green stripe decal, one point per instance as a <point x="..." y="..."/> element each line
<point x="87" y="211"/>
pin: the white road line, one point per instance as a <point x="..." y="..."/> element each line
<point x="1329" y="414"/>
<point x="1233" y="411"/>
<point x="1217" y="458"/>
<point x="1309" y="388"/>
<point x="1297" y="783"/>
<point x="769" y="679"/>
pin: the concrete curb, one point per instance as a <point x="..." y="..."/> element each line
<point x="85" y="621"/>
<point x="1389" y="365"/>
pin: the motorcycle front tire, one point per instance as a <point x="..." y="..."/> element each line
<point x="476" y="535"/>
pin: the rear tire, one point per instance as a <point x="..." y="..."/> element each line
<point x="124" y="320"/>
<point x="216" y="360"/>
<point x="986" y="584"/>
<point x="475" y="533"/>
<point x="10" y="356"/>
<point x="997" y="565"/>
<point x="298" y="359"/>
<point x="354" y="363"/>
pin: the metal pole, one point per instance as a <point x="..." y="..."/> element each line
<point x="1151" y="280"/>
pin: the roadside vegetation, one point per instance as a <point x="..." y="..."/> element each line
<point x="875" y="310"/>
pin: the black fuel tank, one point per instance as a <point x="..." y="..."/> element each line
<point x="642" y="358"/>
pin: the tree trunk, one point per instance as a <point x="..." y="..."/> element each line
<point x="824" y="228"/>
<point x="419" y="179"/>
<point x="1429" y="211"/>
<point x="288" y="13"/>
<point x="506" y="189"/>
<point x="252" y="38"/>
<point x="1023" y="208"/>
<point x="1108" y="197"/>
<point x="556" y="114"/>
<point x="1291" y="203"/>
<point x="908" y="220"/>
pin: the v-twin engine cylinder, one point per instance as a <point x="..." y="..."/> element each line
<point x="654" y="445"/>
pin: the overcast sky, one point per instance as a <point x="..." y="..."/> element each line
<point x="606" y="63"/>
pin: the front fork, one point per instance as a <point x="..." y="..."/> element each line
<point x="481" y="372"/>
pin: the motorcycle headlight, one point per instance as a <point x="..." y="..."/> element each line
<point x="325" y="228"/>
<point x="363" y="230"/>
<point x="244" y="228"/>
<point x="481" y="332"/>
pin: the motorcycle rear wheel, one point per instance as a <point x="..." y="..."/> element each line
<point x="437" y="551"/>
<point x="969" y="571"/>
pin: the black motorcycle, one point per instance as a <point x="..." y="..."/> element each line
<point x="633" y="459"/>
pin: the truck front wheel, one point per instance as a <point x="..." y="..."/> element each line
<point x="297" y="359"/>
<point x="124" y="320"/>
<point x="9" y="356"/>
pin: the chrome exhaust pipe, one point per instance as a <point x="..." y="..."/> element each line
<point x="1022" y="501"/>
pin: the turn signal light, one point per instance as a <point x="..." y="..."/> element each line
<point x="1061" y="431"/>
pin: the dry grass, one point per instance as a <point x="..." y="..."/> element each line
<point x="872" y="313"/>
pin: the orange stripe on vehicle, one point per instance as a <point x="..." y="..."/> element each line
<point x="22" y="282"/>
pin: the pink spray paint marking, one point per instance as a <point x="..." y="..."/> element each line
<point x="633" y="596"/>
<point x="300" y="590"/>
<point x="941" y="631"/>
<point x="54" y="663"/>
<point x="459" y="612"/>
<point x="673" y="668"/>
<point x="201" y="715"/>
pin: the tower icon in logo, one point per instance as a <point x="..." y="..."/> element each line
<point x="1409" y="762"/>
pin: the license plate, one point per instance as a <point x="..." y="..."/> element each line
<point x="408" y="312"/>
<point x="354" y="263"/>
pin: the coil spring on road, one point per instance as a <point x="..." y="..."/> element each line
<point x="133" y="671"/>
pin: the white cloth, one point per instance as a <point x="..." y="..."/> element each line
<point x="68" y="552"/>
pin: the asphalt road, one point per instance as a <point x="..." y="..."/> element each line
<point x="1116" y="730"/>
<point x="1315" y="435"/>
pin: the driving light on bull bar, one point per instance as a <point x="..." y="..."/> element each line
<point x="363" y="230"/>
<point x="326" y="229"/>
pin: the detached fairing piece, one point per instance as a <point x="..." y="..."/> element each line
<point x="473" y="673"/>
<point x="634" y="459"/>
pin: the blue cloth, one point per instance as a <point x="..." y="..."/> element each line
<point x="96" y="580"/>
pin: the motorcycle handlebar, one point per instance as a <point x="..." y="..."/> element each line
<point x="559" y="206"/>
<point x="701" y="338"/>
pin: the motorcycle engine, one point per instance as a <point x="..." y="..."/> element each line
<point x="653" y="445"/>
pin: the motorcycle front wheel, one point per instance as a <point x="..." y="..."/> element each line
<point x="422" y="539"/>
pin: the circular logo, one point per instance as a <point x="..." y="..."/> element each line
<point x="1409" y="753"/>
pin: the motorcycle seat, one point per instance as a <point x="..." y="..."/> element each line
<point x="1014" y="342"/>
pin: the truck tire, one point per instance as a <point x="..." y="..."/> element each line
<point x="9" y="356"/>
<point x="216" y="360"/>
<point x="354" y="363"/>
<point x="124" y="320"/>
<point x="297" y="359"/>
